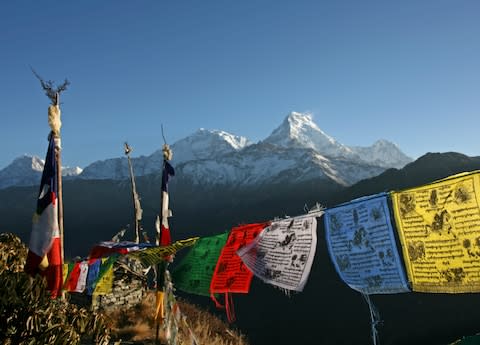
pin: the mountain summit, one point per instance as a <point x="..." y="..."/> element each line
<point x="204" y="144"/>
<point x="298" y="130"/>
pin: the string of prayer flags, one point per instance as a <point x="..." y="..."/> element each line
<point x="283" y="253"/>
<point x="231" y="275"/>
<point x="361" y="243"/>
<point x="154" y="255"/>
<point x="194" y="273"/>
<point x="439" y="229"/>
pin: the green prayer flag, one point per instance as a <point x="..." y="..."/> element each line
<point x="194" y="273"/>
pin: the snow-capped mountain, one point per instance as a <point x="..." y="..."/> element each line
<point x="383" y="153"/>
<point x="265" y="163"/>
<point x="299" y="130"/>
<point x="202" y="144"/>
<point x="298" y="150"/>
<point x="27" y="171"/>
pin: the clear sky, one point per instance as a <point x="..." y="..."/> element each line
<point x="407" y="71"/>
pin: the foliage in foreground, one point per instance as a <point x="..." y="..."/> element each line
<point x="29" y="316"/>
<point x="137" y="324"/>
<point x="27" y="313"/>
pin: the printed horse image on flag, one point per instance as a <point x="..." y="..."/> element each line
<point x="44" y="254"/>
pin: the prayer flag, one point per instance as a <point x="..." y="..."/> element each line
<point x="160" y="307"/>
<point x="439" y="229"/>
<point x="104" y="283"/>
<point x="66" y="271"/>
<point x="165" y="236"/>
<point x="194" y="273"/>
<point x="82" y="277"/>
<point x="72" y="279"/>
<point x="283" y="253"/>
<point x="44" y="252"/>
<point x="155" y="255"/>
<point x="93" y="272"/>
<point x="362" y="246"/>
<point x="231" y="275"/>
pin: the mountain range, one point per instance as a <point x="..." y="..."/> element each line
<point x="296" y="151"/>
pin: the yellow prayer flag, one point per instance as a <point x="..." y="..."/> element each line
<point x="439" y="229"/>
<point x="160" y="309"/>
<point x="104" y="284"/>
<point x="65" y="273"/>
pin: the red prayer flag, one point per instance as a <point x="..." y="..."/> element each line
<point x="231" y="274"/>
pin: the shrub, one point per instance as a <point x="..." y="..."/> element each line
<point x="27" y="313"/>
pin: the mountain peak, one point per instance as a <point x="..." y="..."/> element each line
<point x="384" y="143"/>
<point x="26" y="170"/>
<point x="383" y="153"/>
<point x="235" y="141"/>
<point x="204" y="144"/>
<point x="299" y="130"/>
<point x="300" y="120"/>
<point x="25" y="163"/>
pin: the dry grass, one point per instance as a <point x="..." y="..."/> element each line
<point x="137" y="324"/>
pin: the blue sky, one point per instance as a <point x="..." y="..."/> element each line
<point x="407" y="71"/>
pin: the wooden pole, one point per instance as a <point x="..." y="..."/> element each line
<point x="134" y="197"/>
<point x="60" y="197"/>
<point x="58" y="156"/>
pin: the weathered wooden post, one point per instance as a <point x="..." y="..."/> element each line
<point x="137" y="209"/>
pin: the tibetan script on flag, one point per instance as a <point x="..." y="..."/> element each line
<point x="361" y="243"/>
<point x="231" y="274"/>
<point x="194" y="273"/>
<point x="439" y="229"/>
<point x="282" y="255"/>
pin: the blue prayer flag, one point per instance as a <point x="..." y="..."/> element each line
<point x="362" y="246"/>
